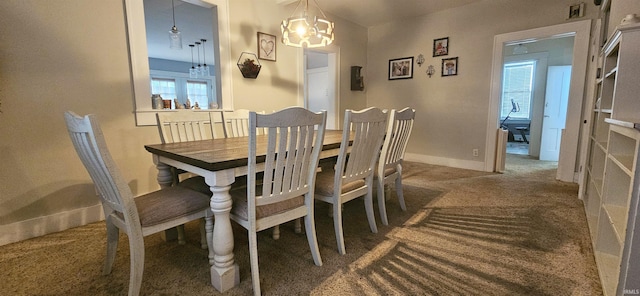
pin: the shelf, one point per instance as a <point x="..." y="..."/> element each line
<point x="602" y="145"/>
<point x="612" y="177"/>
<point x="624" y="142"/>
<point x="597" y="183"/>
<point x="624" y="162"/>
<point x="623" y="123"/>
<point x="607" y="241"/>
<point x="609" y="272"/>
<point x="594" y="196"/>
<point x="617" y="216"/>
<point x="616" y="187"/>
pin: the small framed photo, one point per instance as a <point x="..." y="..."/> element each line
<point x="266" y="46"/>
<point x="576" y="10"/>
<point x="450" y="67"/>
<point x="401" y="68"/>
<point x="441" y="47"/>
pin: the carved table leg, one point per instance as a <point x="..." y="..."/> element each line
<point x="224" y="271"/>
<point x="165" y="177"/>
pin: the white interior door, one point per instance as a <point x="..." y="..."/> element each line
<point x="318" y="94"/>
<point x="321" y="84"/>
<point x="555" y="111"/>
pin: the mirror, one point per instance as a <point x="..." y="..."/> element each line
<point x="140" y="55"/>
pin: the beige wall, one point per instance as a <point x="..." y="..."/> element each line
<point x="72" y="55"/>
<point x="451" y="112"/>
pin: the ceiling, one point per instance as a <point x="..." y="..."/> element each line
<point x="369" y="13"/>
<point x="195" y="22"/>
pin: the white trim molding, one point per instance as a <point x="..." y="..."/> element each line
<point x="21" y="230"/>
<point x="443" y="161"/>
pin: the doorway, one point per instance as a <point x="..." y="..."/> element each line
<point x="321" y="91"/>
<point x="569" y="147"/>
<point x="530" y="90"/>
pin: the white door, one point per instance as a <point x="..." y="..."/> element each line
<point x="320" y="84"/>
<point x="318" y="94"/>
<point x="555" y="111"/>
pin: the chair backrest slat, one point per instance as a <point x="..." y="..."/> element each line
<point x="294" y="141"/>
<point x="236" y="123"/>
<point x="398" y="133"/>
<point x="88" y="140"/>
<point x="368" y="127"/>
<point x="185" y="126"/>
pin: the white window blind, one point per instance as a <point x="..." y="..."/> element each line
<point x="197" y="93"/>
<point x="517" y="85"/>
<point x="164" y="87"/>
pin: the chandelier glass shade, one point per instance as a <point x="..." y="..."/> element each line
<point x="520" y="49"/>
<point x="305" y="30"/>
<point x="175" y="37"/>
<point x="201" y="70"/>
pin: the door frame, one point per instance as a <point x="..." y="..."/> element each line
<point x="570" y="140"/>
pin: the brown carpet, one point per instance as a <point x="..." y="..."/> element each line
<point x="465" y="233"/>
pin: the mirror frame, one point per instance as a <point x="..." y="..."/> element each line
<point x="139" y="57"/>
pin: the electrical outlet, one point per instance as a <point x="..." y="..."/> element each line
<point x="475" y="152"/>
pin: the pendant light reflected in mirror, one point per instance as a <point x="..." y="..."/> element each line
<point x="193" y="73"/>
<point x="175" y="37"/>
<point x="205" y="69"/>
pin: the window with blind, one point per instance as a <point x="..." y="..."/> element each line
<point x="517" y="86"/>
<point x="172" y="87"/>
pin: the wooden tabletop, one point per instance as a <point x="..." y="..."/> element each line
<point x="226" y="153"/>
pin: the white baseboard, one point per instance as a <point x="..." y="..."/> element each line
<point x="450" y="162"/>
<point x="35" y="227"/>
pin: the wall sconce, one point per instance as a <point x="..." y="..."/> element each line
<point x="431" y="70"/>
<point x="357" y="81"/>
<point x="420" y="60"/>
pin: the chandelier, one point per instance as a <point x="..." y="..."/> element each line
<point x="305" y="30"/>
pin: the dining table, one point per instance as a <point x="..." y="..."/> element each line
<point x="220" y="161"/>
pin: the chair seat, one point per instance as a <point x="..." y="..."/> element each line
<point x="389" y="171"/>
<point x="168" y="204"/>
<point x="324" y="183"/>
<point x="241" y="207"/>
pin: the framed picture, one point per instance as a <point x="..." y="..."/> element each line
<point x="450" y="67"/>
<point x="441" y="47"/>
<point x="401" y="68"/>
<point x="576" y="10"/>
<point x="266" y="46"/>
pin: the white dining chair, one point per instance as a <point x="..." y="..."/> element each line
<point x="185" y="125"/>
<point x="137" y="217"/>
<point x="180" y="126"/>
<point x="285" y="191"/>
<point x="352" y="175"/>
<point x="236" y="123"/>
<point x="390" y="163"/>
